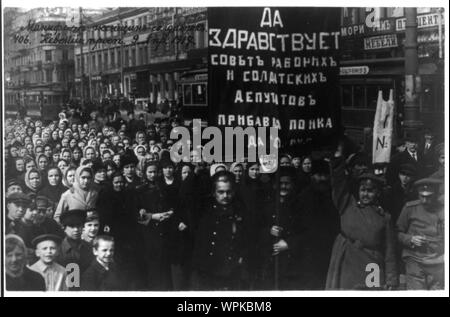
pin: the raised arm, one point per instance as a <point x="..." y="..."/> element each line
<point x="341" y="194"/>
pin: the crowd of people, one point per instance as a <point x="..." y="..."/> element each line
<point x="101" y="198"/>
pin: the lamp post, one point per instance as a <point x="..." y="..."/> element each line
<point x="412" y="122"/>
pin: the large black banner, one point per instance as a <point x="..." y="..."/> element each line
<point x="275" y="67"/>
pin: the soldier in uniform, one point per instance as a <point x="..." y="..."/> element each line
<point x="16" y="205"/>
<point x="220" y="242"/>
<point x="421" y="234"/>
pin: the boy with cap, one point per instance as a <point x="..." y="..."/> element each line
<point x="73" y="248"/>
<point x="46" y="247"/>
<point x="43" y="224"/>
<point x="13" y="186"/>
<point x="421" y="233"/>
<point x="16" y="205"/>
<point x="91" y="227"/>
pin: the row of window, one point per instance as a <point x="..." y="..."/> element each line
<point x="358" y="15"/>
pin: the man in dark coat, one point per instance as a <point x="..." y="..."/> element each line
<point x="280" y="242"/>
<point x="320" y="225"/>
<point x="426" y="149"/>
<point x="220" y="244"/>
<point x="74" y="250"/>
<point x="410" y="156"/>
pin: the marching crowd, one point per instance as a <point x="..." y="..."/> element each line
<point x="102" y="197"/>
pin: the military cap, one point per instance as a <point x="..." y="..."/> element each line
<point x="45" y="237"/>
<point x="427" y="186"/>
<point x="41" y="202"/>
<point x="91" y="215"/>
<point x="377" y="179"/>
<point x="73" y="217"/>
<point x="18" y="198"/>
<point x="13" y="182"/>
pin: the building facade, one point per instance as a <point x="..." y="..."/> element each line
<point x="373" y="58"/>
<point x="140" y="53"/>
<point x="38" y="75"/>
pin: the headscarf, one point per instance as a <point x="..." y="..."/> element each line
<point x="53" y="192"/>
<point x="88" y="195"/>
<point x="89" y="147"/>
<point x="27" y="179"/>
<point x="214" y="167"/>
<point x="136" y="152"/>
<point x="38" y="157"/>
<point x="64" y="179"/>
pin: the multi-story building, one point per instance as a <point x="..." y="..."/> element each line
<point x="140" y="53"/>
<point x="373" y="58"/>
<point x="38" y="75"/>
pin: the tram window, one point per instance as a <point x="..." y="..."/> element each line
<point x="187" y="94"/>
<point x="198" y="93"/>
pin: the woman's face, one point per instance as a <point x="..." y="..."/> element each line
<point x="118" y="183"/>
<point x="65" y="142"/>
<point x="102" y="147"/>
<point x="76" y="154"/>
<point x="15" y="261"/>
<point x="296" y="162"/>
<point x="66" y="156"/>
<point x="30" y="165"/>
<point x="185" y="171"/>
<point x="27" y="140"/>
<point x="116" y="159"/>
<point x="45" y="137"/>
<point x="307" y="165"/>
<point x="90" y="154"/>
<point x="253" y="171"/>
<point x="71" y="177"/>
<point x="140" y="151"/>
<point x="73" y="143"/>
<point x="53" y="177"/>
<point x="168" y="171"/>
<point x="23" y="152"/>
<point x="13" y="151"/>
<point x="238" y="171"/>
<point x="100" y="176"/>
<point x="62" y="165"/>
<point x="55" y="135"/>
<point x="85" y="180"/>
<point x="110" y="170"/>
<point x="60" y="134"/>
<point x="34" y="179"/>
<point x="284" y="161"/>
<point x="368" y="192"/>
<point x="55" y="157"/>
<point x="42" y="163"/>
<point x="48" y="151"/>
<point x="151" y="172"/>
<point x="29" y="148"/>
<point x="20" y="165"/>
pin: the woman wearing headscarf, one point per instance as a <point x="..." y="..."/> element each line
<point x="154" y="231"/>
<point x="17" y="170"/>
<point x="42" y="165"/>
<point x="54" y="187"/>
<point x="81" y="196"/>
<point x="116" y="206"/>
<point x="69" y="177"/>
<point x="89" y="153"/>
<point x="367" y="238"/>
<point x="33" y="182"/>
<point x="252" y="194"/>
<point x="77" y="155"/>
<point x="304" y="173"/>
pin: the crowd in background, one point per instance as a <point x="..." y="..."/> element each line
<point x="103" y="193"/>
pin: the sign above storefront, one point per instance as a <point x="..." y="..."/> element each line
<point x="423" y="21"/>
<point x="354" y="70"/>
<point x="380" y="42"/>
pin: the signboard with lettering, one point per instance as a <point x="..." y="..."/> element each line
<point x="354" y="70"/>
<point x="275" y="67"/>
<point x="380" y="42"/>
<point x="423" y="21"/>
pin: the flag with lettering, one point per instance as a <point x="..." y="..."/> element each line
<point x="383" y="129"/>
<point x="275" y="67"/>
